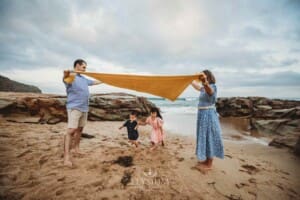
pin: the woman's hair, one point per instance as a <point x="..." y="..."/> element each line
<point x="210" y="77"/>
<point x="154" y="109"/>
<point x="79" y="62"/>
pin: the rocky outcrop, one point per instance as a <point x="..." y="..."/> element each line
<point x="281" y="118"/>
<point x="257" y="107"/>
<point x="51" y="109"/>
<point x="297" y="147"/>
<point x="12" y="86"/>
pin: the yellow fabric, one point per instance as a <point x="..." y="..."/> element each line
<point x="169" y="87"/>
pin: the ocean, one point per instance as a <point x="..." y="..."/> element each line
<point x="180" y="118"/>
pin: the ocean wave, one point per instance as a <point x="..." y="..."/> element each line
<point x="180" y="110"/>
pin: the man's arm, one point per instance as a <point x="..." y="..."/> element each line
<point x="97" y="82"/>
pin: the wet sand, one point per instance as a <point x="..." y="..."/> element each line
<point x="32" y="167"/>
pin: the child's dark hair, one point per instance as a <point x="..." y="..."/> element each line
<point x="154" y="109"/>
<point x="135" y="113"/>
<point x="79" y="62"/>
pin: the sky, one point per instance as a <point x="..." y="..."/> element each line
<point x="252" y="47"/>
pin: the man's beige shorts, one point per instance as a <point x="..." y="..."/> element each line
<point x="76" y="118"/>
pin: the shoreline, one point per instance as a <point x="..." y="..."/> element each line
<point x="33" y="168"/>
<point x="233" y="129"/>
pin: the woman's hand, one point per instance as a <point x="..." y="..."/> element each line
<point x="203" y="78"/>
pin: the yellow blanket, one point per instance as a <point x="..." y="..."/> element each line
<point x="169" y="87"/>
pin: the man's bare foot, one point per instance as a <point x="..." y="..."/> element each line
<point x="68" y="163"/>
<point x="77" y="152"/>
<point x="162" y="143"/>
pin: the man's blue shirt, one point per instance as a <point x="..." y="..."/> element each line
<point x="78" y="93"/>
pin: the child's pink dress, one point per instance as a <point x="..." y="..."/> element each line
<point x="156" y="134"/>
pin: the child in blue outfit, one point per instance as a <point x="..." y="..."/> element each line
<point x="132" y="125"/>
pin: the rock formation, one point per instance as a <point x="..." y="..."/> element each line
<point x="269" y="116"/>
<point x="12" y="86"/>
<point x="51" y="109"/>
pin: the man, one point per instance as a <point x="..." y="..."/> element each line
<point x="77" y="107"/>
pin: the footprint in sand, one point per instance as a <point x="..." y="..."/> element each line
<point x="23" y="153"/>
<point x="252" y="180"/>
<point x="7" y="179"/>
<point x="99" y="184"/>
<point x="61" y="179"/>
<point x="180" y="159"/>
<point x="122" y="143"/>
<point x="59" y="192"/>
<point x="250" y="169"/>
<point x="241" y="185"/>
<point x="92" y="166"/>
<point x="279" y="185"/>
<point x="229" y="156"/>
<point x="253" y="193"/>
<point x="43" y="160"/>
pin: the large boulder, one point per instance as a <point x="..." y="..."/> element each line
<point x="51" y="109"/>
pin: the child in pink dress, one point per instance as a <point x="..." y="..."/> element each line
<point x="157" y="133"/>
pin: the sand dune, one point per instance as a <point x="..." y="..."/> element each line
<point x="32" y="168"/>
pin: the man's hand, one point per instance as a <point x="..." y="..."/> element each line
<point x="66" y="73"/>
<point x="97" y="82"/>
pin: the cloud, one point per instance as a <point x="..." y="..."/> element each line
<point x="246" y="38"/>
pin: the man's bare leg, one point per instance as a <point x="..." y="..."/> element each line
<point x="77" y="139"/>
<point x="67" y="144"/>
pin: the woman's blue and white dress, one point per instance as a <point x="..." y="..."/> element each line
<point x="209" y="135"/>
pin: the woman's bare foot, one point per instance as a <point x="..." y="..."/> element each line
<point x="203" y="168"/>
<point x="202" y="162"/>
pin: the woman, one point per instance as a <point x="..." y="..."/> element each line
<point x="209" y="140"/>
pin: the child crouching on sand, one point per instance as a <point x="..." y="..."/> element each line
<point x="132" y="125"/>
<point x="157" y="133"/>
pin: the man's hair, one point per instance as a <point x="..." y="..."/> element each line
<point x="79" y="62"/>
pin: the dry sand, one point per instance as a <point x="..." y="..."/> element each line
<point x="32" y="167"/>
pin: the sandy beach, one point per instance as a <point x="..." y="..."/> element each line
<point x="32" y="167"/>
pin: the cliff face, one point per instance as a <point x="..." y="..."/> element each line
<point x="12" y="86"/>
<point x="51" y="109"/>
<point x="270" y="116"/>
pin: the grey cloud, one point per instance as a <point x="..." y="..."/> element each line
<point x="139" y="34"/>
<point x="286" y="78"/>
